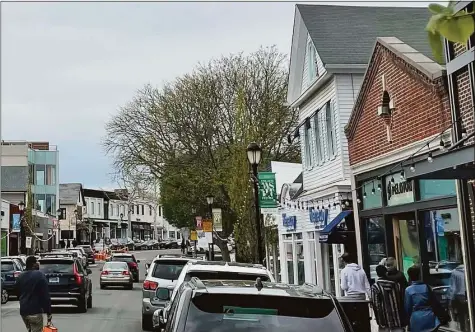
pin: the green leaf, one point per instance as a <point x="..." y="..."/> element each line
<point x="435" y="40"/>
<point x="435" y="8"/>
<point x="457" y="29"/>
<point x="435" y="21"/>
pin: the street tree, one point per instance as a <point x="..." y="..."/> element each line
<point x="192" y="134"/>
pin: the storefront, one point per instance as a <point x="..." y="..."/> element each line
<point x="418" y="223"/>
<point x="141" y="231"/>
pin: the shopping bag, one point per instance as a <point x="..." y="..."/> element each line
<point x="50" y="328"/>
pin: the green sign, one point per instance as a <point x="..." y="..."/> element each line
<point x="267" y="190"/>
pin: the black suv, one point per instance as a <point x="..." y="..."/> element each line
<point x="131" y="262"/>
<point x="89" y="252"/>
<point x="223" y="306"/>
<point x="68" y="281"/>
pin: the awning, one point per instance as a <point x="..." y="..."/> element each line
<point x="331" y="228"/>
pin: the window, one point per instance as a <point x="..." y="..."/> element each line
<point x="92" y="208"/>
<point x="132" y="209"/>
<point x="112" y="209"/>
<point x="171" y="234"/>
<point x="40" y="175"/>
<point x="50" y="204"/>
<point x="300" y="263"/>
<point x="318" y="139"/>
<point x="372" y="190"/>
<point x="138" y="209"/>
<point x="159" y="211"/>
<point x="376" y="239"/>
<point x="312" y="62"/>
<point x="117" y="210"/>
<point x="40" y="202"/>
<point x="150" y="209"/>
<point x="50" y="175"/>
<point x="331" y="141"/>
<point x="436" y="188"/>
<point x="143" y="210"/>
<point x="290" y="262"/>
<point x="308" y="147"/>
<point x="63" y="214"/>
<point x="98" y="208"/>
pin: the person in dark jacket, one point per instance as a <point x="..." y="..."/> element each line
<point x="34" y="296"/>
<point x="395" y="275"/>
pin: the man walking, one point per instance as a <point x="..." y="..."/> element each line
<point x="395" y="275"/>
<point x="387" y="304"/>
<point x="34" y="296"/>
<point x="353" y="279"/>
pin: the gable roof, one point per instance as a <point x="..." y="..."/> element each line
<point x="420" y="64"/>
<point x="344" y="35"/>
<point x="69" y="193"/>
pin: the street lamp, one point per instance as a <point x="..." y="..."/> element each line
<point x="210" y="200"/>
<point x="254" y="154"/>
<point x="21" y="207"/>
<point x="59" y="215"/>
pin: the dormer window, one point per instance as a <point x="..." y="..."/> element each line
<point x="312" y="61"/>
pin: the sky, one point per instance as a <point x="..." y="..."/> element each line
<point x="66" y="67"/>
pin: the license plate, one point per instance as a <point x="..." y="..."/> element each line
<point x="54" y="280"/>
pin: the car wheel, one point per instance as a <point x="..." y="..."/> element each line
<point x="102" y="286"/>
<point x="146" y="323"/>
<point x="82" y="305"/>
<point x="4" y="296"/>
<point x="130" y="287"/>
<point x="89" y="301"/>
<point x="94" y="262"/>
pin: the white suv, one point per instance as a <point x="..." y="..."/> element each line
<point x="163" y="272"/>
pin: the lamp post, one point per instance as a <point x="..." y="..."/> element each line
<point x="21" y="207"/>
<point x="254" y="153"/>
<point x="121" y="216"/>
<point x="193" y="211"/>
<point x="210" y="200"/>
<point x="59" y="215"/>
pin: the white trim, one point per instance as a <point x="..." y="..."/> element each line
<point x="329" y="189"/>
<point x="398" y="154"/>
<point x="317" y="84"/>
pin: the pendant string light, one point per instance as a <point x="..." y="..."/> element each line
<point x="373" y="191"/>
<point x="429" y="157"/>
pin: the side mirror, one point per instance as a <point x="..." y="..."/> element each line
<point x="138" y="261"/>
<point x="163" y="294"/>
<point x="88" y="271"/>
<point x="147" y="265"/>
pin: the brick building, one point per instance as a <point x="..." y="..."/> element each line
<point x="400" y="125"/>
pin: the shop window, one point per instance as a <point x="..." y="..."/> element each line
<point x="300" y="263"/>
<point x="312" y="252"/>
<point x="371" y="193"/>
<point x="436" y="188"/>
<point x="287" y="236"/>
<point x="40" y="175"/>
<point x="290" y="261"/>
<point x="446" y="265"/>
<point x="50" y="175"/>
<point x="406" y="240"/>
<point x="376" y="239"/>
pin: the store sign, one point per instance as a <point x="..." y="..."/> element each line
<point x="290" y="222"/>
<point x="267" y="190"/>
<point x="319" y="217"/>
<point x="400" y="191"/>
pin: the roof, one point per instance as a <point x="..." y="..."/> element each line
<point x="238" y="267"/>
<point x="346" y="34"/>
<point x="249" y="287"/>
<point x="69" y="193"/>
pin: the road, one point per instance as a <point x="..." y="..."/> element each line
<point x="113" y="310"/>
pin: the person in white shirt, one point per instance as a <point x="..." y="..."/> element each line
<point x="354" y="281"/>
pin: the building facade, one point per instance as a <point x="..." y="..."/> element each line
<point x="71" y="222"/>
<point x="403" y="107"/>
<point x="326" y="70"/>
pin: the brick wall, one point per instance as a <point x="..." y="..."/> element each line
<point x="421" y="108"/>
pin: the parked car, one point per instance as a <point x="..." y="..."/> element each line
<point x="205" y="305"/>
<point x="210" y="270"/>
<point x="11" y="270"/>
<point x="131" y="262"/>
<point x="163" y="272"/>
<point x="21" y="260"/>
<point x="5" y="295"/>
<point x="82" y="257"/>
<point x="128" y="242"/>
<point x="89" y="253"/>
<point x="116" y="274"/>
<point x="68" y="281"/>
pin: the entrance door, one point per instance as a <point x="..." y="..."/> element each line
<point x="406" y="241"/>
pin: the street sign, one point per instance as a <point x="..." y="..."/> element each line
<point x="198" y="222"/>
<point x="267" y="190"/>
<point x="28" y="242"/>
<point x="194" y="236"/>
<point x="207" y="225"/>
<point x="269" y="211"/>
<point x="217" y="220"/>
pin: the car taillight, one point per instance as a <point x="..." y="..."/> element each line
<point x="150" y="285"/>
<point x="133" y="264"/>
<point x="77" y="276"/>
<point x="16" y="274"/>
<point x="125" y="273"/>
<point x="104" y="273"/>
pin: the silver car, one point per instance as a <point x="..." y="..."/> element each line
<point x="116" y="274"/>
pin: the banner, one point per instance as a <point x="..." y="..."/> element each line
<point x="198" y="222"/>
<point x="194" y="236"/>
<point x="267" y="190"/>
<point x="207" y="226"/>
<point x="16" y="223"/>
<point x="28" y="242"/>
<point x="217" y="219"/>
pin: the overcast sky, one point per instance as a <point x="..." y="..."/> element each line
<point x="67" y="67"/>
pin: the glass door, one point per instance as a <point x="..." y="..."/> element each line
<point x="406" y="241"/>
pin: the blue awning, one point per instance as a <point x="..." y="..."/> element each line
<point x="333" y="224"/>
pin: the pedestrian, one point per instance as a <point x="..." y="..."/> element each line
<point x="34" y="296"/>
<point x="354" y="281"/>
<point x="418" y="304"/>
<point x="395" y="275"/>
<point x="183" y="246"/>
<point x="387" y="304"/>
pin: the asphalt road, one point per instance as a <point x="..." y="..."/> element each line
<point x="113" y="310"/>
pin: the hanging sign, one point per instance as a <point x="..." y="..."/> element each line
<point x="400" y="191"/>
<point x="290" y="222"/>
<point x="16" y="223"/>
<point x="217" y="220"/>
<point x="198" y="222"/>
<point x="319" y="217"/>
<point x="207" y="225"/>
<point x="28" y="242"/>
<point x="267" y="190"/>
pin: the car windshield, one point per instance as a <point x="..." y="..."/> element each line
<point x="56" y="266"/>
<point x="87" y="248"/>
<point x="252" y="313"/>
<point x="215" y="275"/>
<point x="7" y="266"/>
<point x="127" y="259"/>
<point x="115" y="266"/>
<point x="169" y="270"/>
